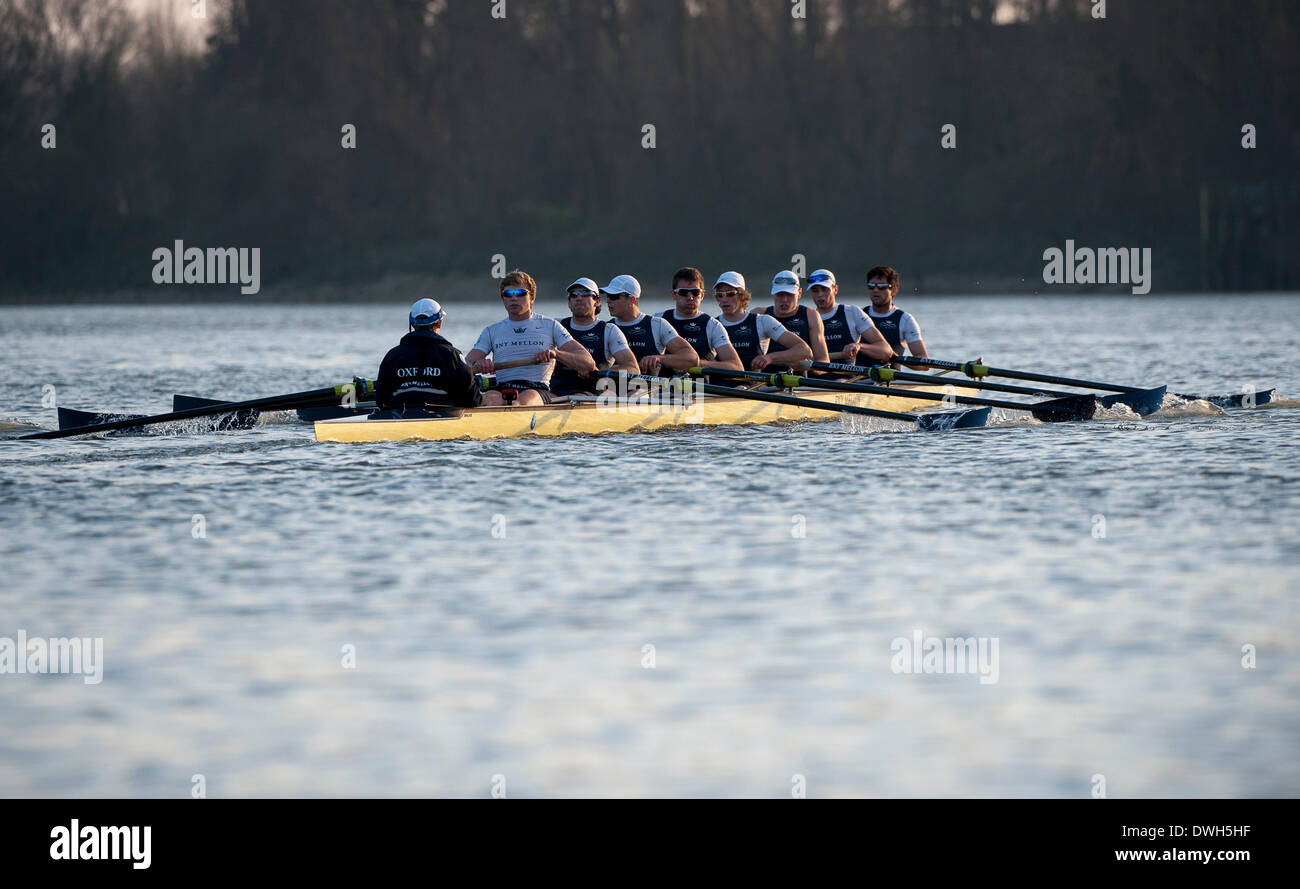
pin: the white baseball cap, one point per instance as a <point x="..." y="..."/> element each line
<point x="585" y="283"/>
<point x="823" y="277"/>
<point x="425" y="313"/>
<point x="785" y="282"/>
<point x="734" y="279"/>
<point x="623" y="284"/>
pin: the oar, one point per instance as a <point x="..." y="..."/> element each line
<point x="487" y="381"/>
<point x="311" y="398"/>
<point x="1240" y="399"/>
<point x="886" y="374"/>
<point x="506" y="365"/>
<point x="1142" y="401"/>
<point x="976" y="369"/>
<point x="924" y="422"/>
<point x="69" y="418"/>
<point x="1072" y="407"/>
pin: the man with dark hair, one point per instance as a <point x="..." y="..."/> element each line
<point x="706" y="335"/>
<point x="525" y="336"/>
<point x="895" y="325"/>
<point x="424" y="370"/>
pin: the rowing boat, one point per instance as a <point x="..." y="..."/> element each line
<point x="599" y="416"/>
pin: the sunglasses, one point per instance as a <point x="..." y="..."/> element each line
<point x="718" y="294"/>
<point x="513" y="293"/>
<point x="688" y="291"/>
<point x="612" y="296"/>
<point x="573" y="293"/>
<point x="819" y="279"/>
<point x="871" y="286"/>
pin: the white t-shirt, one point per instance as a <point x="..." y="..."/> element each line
<point x="716" y="333"/>
<point x="856" y="319"/>
<point x="908" y="330"/>
<point x="514" y="340"/>
<point x="769" y="329"/>
<point x="662" y="330"/>
<point x="615" y="342"/>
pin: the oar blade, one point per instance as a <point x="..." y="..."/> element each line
<point x="1239" y="399"/>
<point x="1142" y="401"/>
<point x="1071" y="408"/>
<point x="70" y="418"/>
<point x="239" y="420"/>
<point x="945" y="420"/>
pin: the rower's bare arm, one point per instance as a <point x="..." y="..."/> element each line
<point x="917" y="348"/>
<point x="817" y="333"/>
<point x="573" y="355"/>
<point x="625" y="359"/>
<point x="680" y="355"/>
<point x="478" y="361"/>
<point x="727" y="359"/>
<point x="874" y="345"/>
<point x="795" y="351"/>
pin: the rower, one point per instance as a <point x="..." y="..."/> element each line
<point x="706" y="335"/>
<point x="655" y="343"/>
<point x="803" y="321"/>
<point x="524" y="334"/>
<point x="605" y="342"/>
<point x="752" y="334"/>
<point x="424" y="370"/>
<point x="897" y="327"/>
<point x="851" y="338"/>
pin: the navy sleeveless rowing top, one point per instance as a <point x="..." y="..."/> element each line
<point x="744" y="337"/>
<point x="640" y="337"/>
<point x="888" y="327"/>
<point x="566" y="379"/>
<point x="796" y="323"/>
<point x="838" y="334"/>
<point x="694" y="330"/>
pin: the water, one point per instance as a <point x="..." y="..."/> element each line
<point x="522" y="655"/>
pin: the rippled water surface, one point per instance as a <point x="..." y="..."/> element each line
<point x="500" y="596"/>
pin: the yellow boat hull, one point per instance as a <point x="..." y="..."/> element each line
<point x="595" y="418"/>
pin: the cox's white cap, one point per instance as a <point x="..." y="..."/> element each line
<point x="822" y="277"/>
<point x="584" y="283"/>
<point x="623" y="284"/>
<point x="734" y="279"/>
<point x="425" y="313"/>
<point x="785" y="282"/>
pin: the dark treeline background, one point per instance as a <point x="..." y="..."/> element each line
<point x="522" y="136"/>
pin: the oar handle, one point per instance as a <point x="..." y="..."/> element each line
<point x="506" y="365"/>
